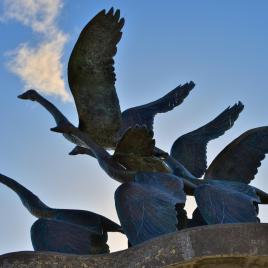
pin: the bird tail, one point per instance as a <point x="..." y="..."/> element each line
<point x="262" y="195"/>
<point x="110" y="226"/>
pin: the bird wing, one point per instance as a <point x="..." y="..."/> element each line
<point x="146" y="206"/>
<point x="91" y="74"/>
<point x="51" y="235"/>
<point x="136" y="140"/>
<point x="219" y="204"/>
<point x="239" y="161"/>
<point x="191" y="148"/>
<point x="144" y="114"/>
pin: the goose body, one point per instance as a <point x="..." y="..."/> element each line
<point x="87" y="231"/>
<point x="148" y="203"/>
<point x="136" y="150"/>
<point x="224" y="195"/>
<point x="91" y="79"/>
<point x="146" y="206"/>
<point x="141" y="192"/>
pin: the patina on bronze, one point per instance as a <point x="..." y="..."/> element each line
<point x="150" y="201"/>
<point x="92" y="78"/>
<point x="224" y="246"/>
<point x="64" y="230"/>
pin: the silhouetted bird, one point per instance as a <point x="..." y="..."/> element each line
<point x="146" y="201"/>
<point x="224" y="196"/>
<point x="146" y="206"/>
<point x="136" y="150"/>
<point x="64" y="230"/>
<point x="92" y="82"/>
<point x="191" y="148"/>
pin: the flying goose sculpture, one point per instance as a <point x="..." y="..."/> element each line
<point x="154" y="193"/>
<point x="136" y="150"/>
<point x="224" y="195"/>
<point x="91" y="79"/>
<point x="64" y="230"/>
<point x="151" y="205"/>
<point x="191" y="149"/>
<point x="146" y="206"/>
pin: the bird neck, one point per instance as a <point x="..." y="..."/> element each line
<point x="106" y="161"/>
<point x="178" y="168"/>
<point x="54" y="111"/>
<point x="116" y="171"/>
<point x="33" y="204"/>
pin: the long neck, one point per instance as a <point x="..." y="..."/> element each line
<point x="116" y="171"/>
<point x="33" y="204"/>
<point x="189" y="180"/>
<point x="109" y="165"/>
<point x="55" y="112"/>
<point x="178" y="168"/>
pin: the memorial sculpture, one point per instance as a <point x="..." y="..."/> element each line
<point x="150" y="201"/>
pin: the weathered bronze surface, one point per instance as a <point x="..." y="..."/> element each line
<point x="191" y="148"/>
<point x="148" y="204"/>
<point x="64" y="230"/>
<point x="224" y="246"/>
<point x="92" y="79"/>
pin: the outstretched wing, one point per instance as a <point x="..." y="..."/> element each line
<point x="51" y="235"/>
<point x="146" y="206"/>
<point x="144" y="114"/>
<point x="91" y="75"/>
<point x="136" y="140"/>
<point x="219" y="205"/>
<point x="239" y="161"/>
<point x="191" y="148"/>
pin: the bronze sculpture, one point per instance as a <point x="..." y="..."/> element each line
<point x="196" y="140"/>
<point x="150" y="201"/>
<point x="91" y="79"/>
<point x="64" y="230"/>
<point x="224" y="196"/>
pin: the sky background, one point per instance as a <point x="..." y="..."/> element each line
<point x="221" y="45"/>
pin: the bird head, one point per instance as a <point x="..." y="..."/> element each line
<point x="29" y="95"/>
<point x="79" y="150"/>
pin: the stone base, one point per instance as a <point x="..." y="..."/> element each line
<point x="221" y="246"/>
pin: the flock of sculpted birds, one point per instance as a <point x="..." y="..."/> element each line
<point x="154" y="184"/>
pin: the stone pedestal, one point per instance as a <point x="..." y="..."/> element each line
<point x="215" y="246"/>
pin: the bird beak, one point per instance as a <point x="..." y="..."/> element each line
<point x="57" y="129"/>
<point x="73" y="152"/>
<point x="22" y="96"/>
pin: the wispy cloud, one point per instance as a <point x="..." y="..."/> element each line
<point x="39" y="67"/>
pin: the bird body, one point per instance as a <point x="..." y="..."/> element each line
<point x="224" y="195"/>
<point x="136" y="150"/>
<point x="92" y="79"/>
<point x="150" y="200"/>
<point x="86" y="225"/>
<point x="146" y="205"/>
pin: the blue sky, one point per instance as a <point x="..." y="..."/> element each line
<point x="221" y="45"/>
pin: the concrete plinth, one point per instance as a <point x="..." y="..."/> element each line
<point x="220" y="246"/>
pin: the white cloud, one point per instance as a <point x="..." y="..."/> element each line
<point x="39" y="67"/>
